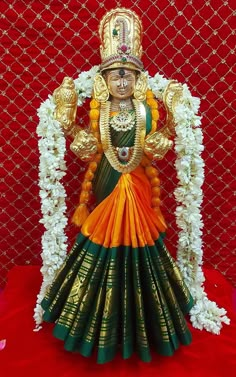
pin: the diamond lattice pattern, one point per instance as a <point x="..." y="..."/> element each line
<point x="43" y="41"/>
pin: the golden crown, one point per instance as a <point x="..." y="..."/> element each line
<point x="120" y="31"/>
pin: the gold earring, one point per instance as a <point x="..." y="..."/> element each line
<point x="141" y="87"/>
<point x="100" y="89"/>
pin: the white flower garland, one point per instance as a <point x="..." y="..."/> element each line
<point x="190" y="173"/>
<point x="52" y="193"/>
<point x="188" y="194"/>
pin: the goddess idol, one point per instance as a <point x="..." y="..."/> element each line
<point x="119" y="288"/>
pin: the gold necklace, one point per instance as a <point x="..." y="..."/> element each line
<point x="140" y="134"/>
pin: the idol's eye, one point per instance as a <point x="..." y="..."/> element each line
<point x="129" y="77"/>
<point x="114" y="78"/>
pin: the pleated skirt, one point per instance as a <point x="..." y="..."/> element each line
<point x="119" y="288"/>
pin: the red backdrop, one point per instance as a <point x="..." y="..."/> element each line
<point x="42" y="41"/>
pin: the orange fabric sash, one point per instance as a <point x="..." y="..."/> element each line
<point x="125" y="217"/>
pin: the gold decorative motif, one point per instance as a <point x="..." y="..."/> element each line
<point x="124" y="153"/>
<point x="138" y="142"/>
<point x="123" y="121"/>
<point x="120" y="32"/>
<point x="108" y="303"/>
<point x="100" y="89"/>
<point x="84" y="145"/>
<point x="77" y="287"/>
<point x="157" y="145"/>
<point x="171" y="98"/>
<point x="65" y="98"/>
<point x="141" y="86"/>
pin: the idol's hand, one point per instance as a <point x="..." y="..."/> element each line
<point x="84" y="145"/>
<point x="157" y="145"/>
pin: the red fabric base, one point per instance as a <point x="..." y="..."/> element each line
<point x="29" y="353"/>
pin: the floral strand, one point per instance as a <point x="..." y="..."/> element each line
<point x="150" y="171"/>
<point x="82" y="212"/>
<point x="153" y="104"/>
<point x="51" y="170"/>
<point x="190" y="173"/>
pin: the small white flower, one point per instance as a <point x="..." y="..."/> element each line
<point x="158" y="84"/>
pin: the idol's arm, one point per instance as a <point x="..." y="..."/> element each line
<point x="158" y="144"/>
<point x="84" y="145"/>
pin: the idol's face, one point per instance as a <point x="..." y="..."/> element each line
<point x="121" y="83"/>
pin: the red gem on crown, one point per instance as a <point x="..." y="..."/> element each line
<point x="124" y="48"/>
